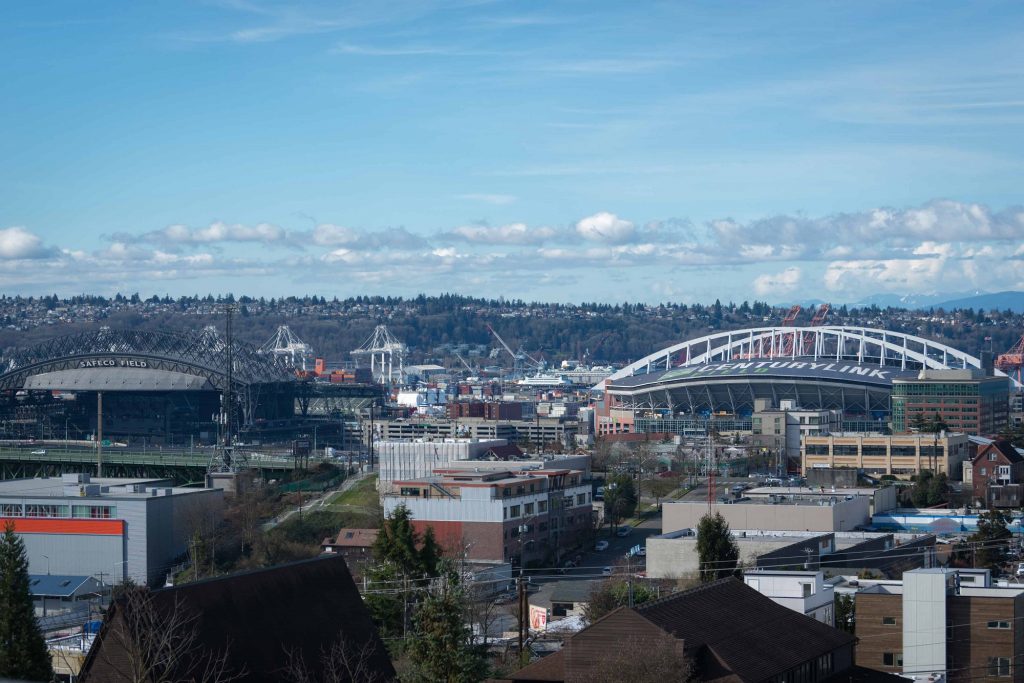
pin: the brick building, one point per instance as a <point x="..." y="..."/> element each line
<point x="932" y="624"/>
<point x="995" y="475"/>
<point x="528" y="515"/>
<point x="969" y="400"/>
<point x="901" y="455"/>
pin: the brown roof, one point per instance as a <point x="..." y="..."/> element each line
<point x="354" y="538"/>
<point x="747" y="632"/>
<point x="733" y="633"/>
<point x="257" y="618"/>
<point x="550" y="668"/>
<point x="507" y="452"/>
<point x="1004" y="447"/>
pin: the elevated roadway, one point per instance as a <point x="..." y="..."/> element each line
<point x="180" y="465"/>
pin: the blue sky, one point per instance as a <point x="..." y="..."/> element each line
<point x="547" y="150"/>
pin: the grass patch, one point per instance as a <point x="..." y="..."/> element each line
<point x="363" y="494"/>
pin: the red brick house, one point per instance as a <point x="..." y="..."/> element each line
<point x="355" y="545"/>
<point x="997" y="472"/>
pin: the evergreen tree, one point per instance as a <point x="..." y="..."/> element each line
<point x="23" y="652"/>
<point x="443" y="649"/>
<point x="991" y="540"/>
<point x="717" y="552"/>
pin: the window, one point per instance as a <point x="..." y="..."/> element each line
<point x="528" y="509"/>
<point x="542" y="506"/>
<point x="46" y="510"/>
<point x="513" y="511"/>
<point x="983" y="471"/>
<point x="889" y="621"/>
<point x="892" y="658"/>
<point x="998" y="666"/>
<point x="581" y="499"/>
<point x="999" y="624"/>
<point x="410" y="491"/>
<point x="992" y="457"/>
<point x="808" y="589"/>
<point x="506" y="492"/>
<point x="93" y="511"/>
<point x="11" y="510"/>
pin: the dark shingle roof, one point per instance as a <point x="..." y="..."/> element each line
<point x="258" y="617"/>
<point x="753" y="636"/>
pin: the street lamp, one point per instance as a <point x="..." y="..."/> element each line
<point x="47" y="564"/>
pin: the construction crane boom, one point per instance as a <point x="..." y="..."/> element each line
<point x="464" y="362"/>
<point x="789" y="339"/>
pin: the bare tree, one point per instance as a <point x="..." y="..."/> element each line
<point x="342" y="662"/>
<point x="147" y="642"/>
<point x="662" y="662"/>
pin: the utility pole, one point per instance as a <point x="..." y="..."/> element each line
<point x="228" y="397"/>
<point x="99" y="434"/>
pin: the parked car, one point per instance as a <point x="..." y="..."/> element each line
<point x="624" y="531"/>
<point x="1020" y="569"/>
<point x="41" y="451"/>
<point x="607" y="571"/>
<point x="601" y="545"/>
<point x="506" y="598"/>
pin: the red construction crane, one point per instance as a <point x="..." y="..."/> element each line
<point x="816" y="321"/>
<point x="1012" y="361"/>
<point x="787" y="339"/>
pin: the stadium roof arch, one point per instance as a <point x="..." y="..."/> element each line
<point x="849" y="368"/>
<point x="137" y="360"/>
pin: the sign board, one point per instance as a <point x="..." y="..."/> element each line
<point x="115" y="362"/>
<point x="538" y="618"/>
<point x="796" y="369"/>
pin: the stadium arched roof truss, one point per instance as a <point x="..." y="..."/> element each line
<point x="851" y="368"/>
<point x="203" y="356"/>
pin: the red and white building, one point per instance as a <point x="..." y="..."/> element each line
<point x="500" y="515"/>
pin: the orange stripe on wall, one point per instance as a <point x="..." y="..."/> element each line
<point x="50" y="525"/>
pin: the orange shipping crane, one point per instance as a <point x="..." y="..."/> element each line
<point x="1012" y="361"/>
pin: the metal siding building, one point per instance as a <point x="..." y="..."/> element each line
<point x="109" y="528"/>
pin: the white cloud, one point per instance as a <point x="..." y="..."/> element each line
<point x="513" y="233"/>
<point x="605" y="227"/>
<point x="218" y="231"/>
<point x="327" y="235"/>
<point x="18" y="243"/>
<point x="775" y="284"/>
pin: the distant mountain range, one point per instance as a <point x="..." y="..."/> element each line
<point x="986" y="301"/>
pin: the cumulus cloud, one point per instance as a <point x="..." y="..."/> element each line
<point x="330" y="235"/>
<point x="513" y="233"/>
<point x="216" y="232"/>
<point x="775" y="284"/>
<point x="605" y="227"/>
<point x="18" y="243"/>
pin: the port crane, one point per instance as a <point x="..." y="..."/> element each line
<point x="518" y="358"/>
<point x="1012" y="361"/>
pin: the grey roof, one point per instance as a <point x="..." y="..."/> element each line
<point x="572" y="591"/>
<point x="118" y="379"/>
<point x="57" y="585"/>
